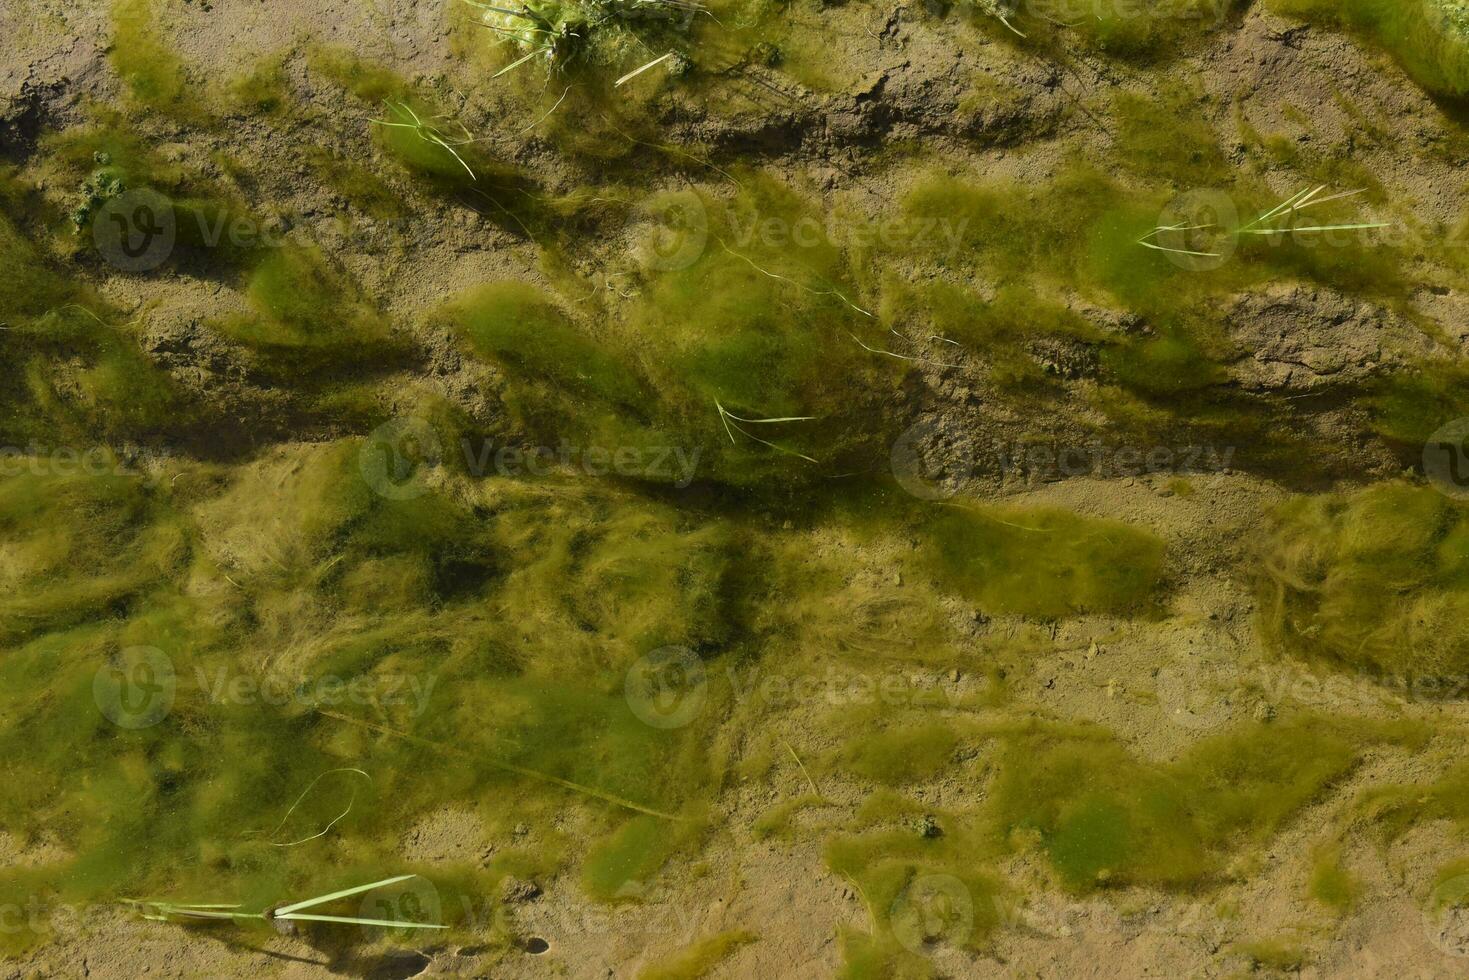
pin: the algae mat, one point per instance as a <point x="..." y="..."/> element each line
<point x="734" y="488"/>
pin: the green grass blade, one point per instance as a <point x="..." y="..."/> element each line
<point x="389" y="923"/>
<point x="280" y="913"/>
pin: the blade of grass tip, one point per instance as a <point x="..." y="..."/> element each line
<point x="1329" y="198"/>
<point x="1008" y="24"/>
<point x="724" y="417"/>
<point x="1184" y="251"/>
<point x="1291" y="231"/>
<point x="344" y="893"/>
<point x="1282" y="206"/>
<point x="548" y="113"/>
<point x="901" y="357"/>
<point x="515" y="64"/>
<point x="306" y="792"/>
<point x="777" y="448"/>
<point x="809" y="781"/>
<point x="1305" y="202"/>
<point x="389" y="923"/>
<point x="787" y="418"/>
<point x="434" y="137"/>
<point x="638" y="71"/>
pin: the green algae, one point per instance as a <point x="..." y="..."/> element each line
<point x="1429" y="37"/>
<point x="699" y="958"/>
<point x="356" y="592"/>
<point x="309" y="314"/>
<point x="1104" y="819"/>
<point x="1329" y="562"/>
<point x="155" y="77"/>
<point x="1044" y="563"/>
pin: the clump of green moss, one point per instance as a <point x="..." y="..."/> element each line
<point x="1272" y="954"/>
<point x="1104" y="818"/>
<point x="308" y="314"/>
<point x="80" y="542"/>
<point x="70" y="374"/>
<point x="311" y="622"/>
<point x="1333" y="885"/>
<point x="1429" y="37"/>
<point x="699" y="958"/>
<point x="563" y="379"/>
<point x="154" y="75"/>
<point x="1165" y="138"/>
<point x="262" y="88"/>
<point x="904" y="878"/>
<point x="424" y="139"/>
<point x="908" y="754"/>
<point x="1396" y="809"/>
<point x="1043" y="563"/>
<point x="1373" y="581"/>
<point x="1409" y="406"/>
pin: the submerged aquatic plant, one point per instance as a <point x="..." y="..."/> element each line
<point x="292" y="912"/>
<point x="430" y="131"/>
<point x="1269" y="223"/>
<point x="557" y="31"/>
<point x="1372" y="581"/>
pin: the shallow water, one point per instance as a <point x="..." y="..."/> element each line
<point x="879" y="492"/>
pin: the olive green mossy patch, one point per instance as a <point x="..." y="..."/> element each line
<point x="1374" y="581"/>
<point x="619" y="866"/>
<point x="155" y="77"/>
<point x="421" y="136"/>
<point x="261" y="89"/>
<point x="699" y="958"/>
<point x="1143" y="33"/>
<point x="999" y="329"/>
<point x="1332" y="884"/>
<point x="80" y="544"/>
<point x="564" y="384"/>
<point x="1409" y="406"/>
<point x="868" y="957"/>
<point x="309" y="316"/>
<point x="1165" y="139"/>
<point x="1082" y="231"/>
<point x="903" y="755"/>
<point x="1043" y="563"/>
<point x="892" y="868"/>
<point x="759" y="344"/>
<point x="1104" y="818"/>
<point x="466" y="645"/>
<point x="1396" y="809"/>
<point x="69" y="373"/>
<point x="747" y="352"/>
<point x="1429" y="37"/>
<point x="1272" y="954"/>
